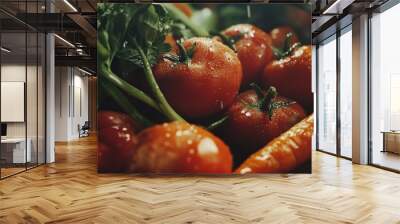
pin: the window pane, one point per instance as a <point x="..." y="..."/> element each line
<point x="327" y="96"/>
<point x="385" y="115"/>
<point x="346" y="94"/>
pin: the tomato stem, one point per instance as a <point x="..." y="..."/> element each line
<point x="265" y="102"/>
<point x="288" y="39"/>
<point x="217" y="123"/>
<point x="271" y="93"/>
<point x="270" y="105"/>
<point x="168" y="111"/>
<point x="128" y="88"/>
<point x="124" y="103"/>
<point x="287" y="48"/>
<point x="183" y="57"/>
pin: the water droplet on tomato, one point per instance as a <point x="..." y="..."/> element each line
<point x="207" y="146"/>
<point x="221" y="105"/>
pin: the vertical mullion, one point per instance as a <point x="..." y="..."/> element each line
<point x="26" y="85"/>
<point x="73" y="92"/>
<point x="316" y="97"/>
<point x="338" y="81"/>
<point x="0" y="92"/>
<point x="46" y="4"/>
<point x="37" y="87"/>
<point x="369" y="79"/>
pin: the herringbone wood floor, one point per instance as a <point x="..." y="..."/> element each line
<point x="70" y="191"/>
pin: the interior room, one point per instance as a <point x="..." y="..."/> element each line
<point x="51" y="97"/>
<point x="22" y="102"/>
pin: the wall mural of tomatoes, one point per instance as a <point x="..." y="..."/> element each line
<point x="204" y="88"/>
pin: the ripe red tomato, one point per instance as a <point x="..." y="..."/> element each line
<point x="278" y="36"/>
<point x="292" y="76"/>
<point x="253" y="48"/>
<point x="108" y="162"/>
<point x="298" y="19"/>
<point x="111" y="118"/>
<point x="205" y="84"/>
<point x="116" y="148"/>
<point x="117" y="141"/>
<point x="103" y="163"/>
<point x="253" y="122"/>
<point x="179" y="147"/>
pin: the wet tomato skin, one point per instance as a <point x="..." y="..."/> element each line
<point x="248" y="128"/>
<point x="121" y="138"/>
<point x="111" y="118"/>
<point x="278" y="36"/>
<point x="253" y="49"/>
<point x="292" y="77"/>
<point x="117" y="141"/>
<point x="109" y="161"/>
<point x="104" y="164"/>
<point x="179" y="147"/>
<point x="204" y="86"/>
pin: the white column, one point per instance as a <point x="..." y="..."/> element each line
<point x="50" y="92"/>
<point x="50" y="99"/>
<point x="360" y="90"/>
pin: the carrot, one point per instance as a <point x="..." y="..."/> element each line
<point x="284" y="153"/>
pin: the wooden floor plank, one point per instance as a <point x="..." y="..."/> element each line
<point x="71" y="191"/>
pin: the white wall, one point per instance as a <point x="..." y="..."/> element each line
<point x="33" y="127"/>
<point x="62" y="81"/>
<point x="14" y="73"/>
<point x="71" y="102"/>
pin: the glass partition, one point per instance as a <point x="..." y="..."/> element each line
<point x="13" y="95"/>
<point x="22" y="88"/>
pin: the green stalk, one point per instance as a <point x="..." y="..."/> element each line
<point x="179" y="15"/>
<point x="184" y="57"/>
<point x="124" y="103"/>
<point x="129" y="89"/>
<point x="217" y="124"/>
<point x="163" y="103"/>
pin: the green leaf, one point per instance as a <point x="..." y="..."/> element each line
<point x="112" y="23"/>
<point x="148" y="29"/>
<point x="179" y="30"/>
